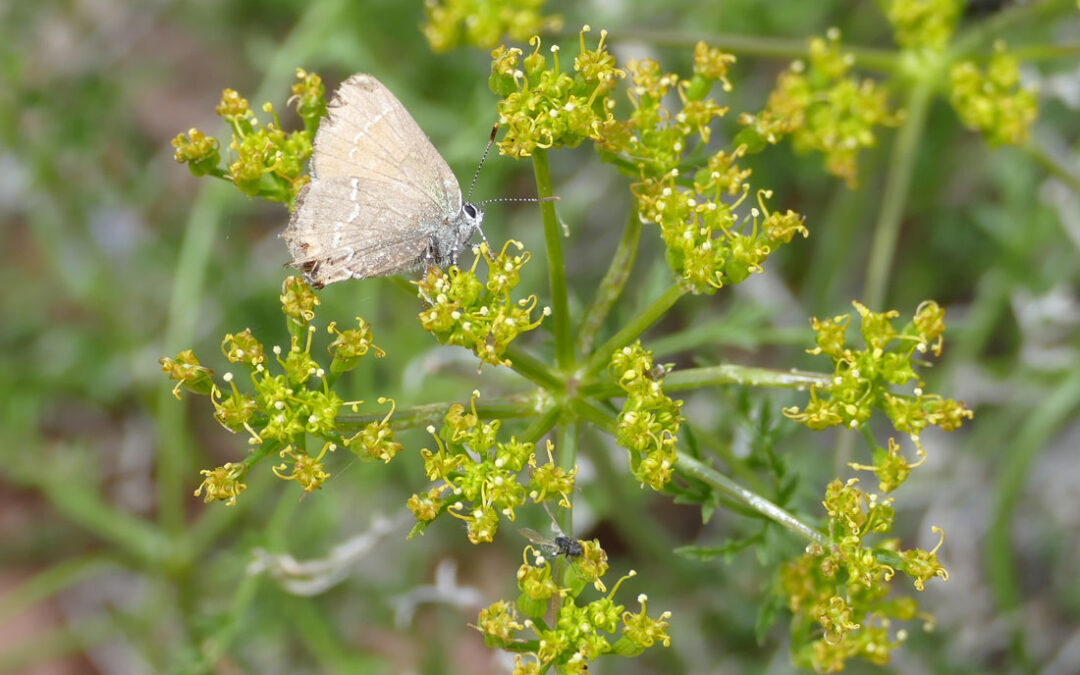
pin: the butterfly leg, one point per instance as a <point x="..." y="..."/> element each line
<point x="430" y="260"/>
<point x="483" y="238"/>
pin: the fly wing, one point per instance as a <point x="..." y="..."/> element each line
<point x="340" y="231"/>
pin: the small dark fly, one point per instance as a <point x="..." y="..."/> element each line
<point x="558" y="545"/>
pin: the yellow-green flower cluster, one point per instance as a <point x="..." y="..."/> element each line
<point x="992" y="102"/>
<point x="188" y="373"/>
<point x="823" y="109"/>
<point x="582" y="631"/>
<point x="708" y="244"/>
<point x="923" y="24"/>
<point x="659" y="140"/>
<point x="649" y="422"/>
<point x="290" y="397"/>
<point x="481" y="316"/>
<point x="863" y="378"/>
<point x="269" y="162"/>
<point x="222" y="483"/>
<point x="544" y="106"/>
<point x="481" y="23"/>
<point x="839" y="593"/>
<point x="478" y="477"/>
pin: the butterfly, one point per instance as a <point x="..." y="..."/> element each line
<point x="381" y="200"/>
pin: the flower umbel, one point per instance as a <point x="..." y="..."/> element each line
<point x="544" y="106"/>
<point x="463" y="310"/>
<point x="864" y="378"/>
<point x="823" y="109"/>
<point x="481" y="23"/>
<point x="649" y="421"/>
<point x="993" y="102"/>
<point x="267" y="161"/>
<point x="478" y="477"/>
<point x="838" y="593"/>
<point x="288" y="399"/>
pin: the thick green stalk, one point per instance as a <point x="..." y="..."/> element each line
<point x="1058" y="169"/>
<point x="420" y="416"/>
<point x="611" y="286"/>
<point x="720" y="482"/>
<point x="883" y="60"/>
<point x="173" y="457"/>
<point x="634" y="328"/>
<point x="605" y="420"/>
<point x="542" y="424"/>
<point x="560" y="306"/>
<point x="711" y="376"/>
<point x="566" y="448"/>
<point x="897" y="185"/>
<point x="531" y="368"/>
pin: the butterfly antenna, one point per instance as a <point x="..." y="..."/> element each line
<point x="483" y="158"/>
<point x="517" y="199"/>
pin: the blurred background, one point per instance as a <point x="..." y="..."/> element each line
<point x="115" y="255"/>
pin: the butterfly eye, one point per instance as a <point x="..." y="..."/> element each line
<point x="469" y="210"/>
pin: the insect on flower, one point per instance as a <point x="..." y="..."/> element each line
<point x="558" y="545"/>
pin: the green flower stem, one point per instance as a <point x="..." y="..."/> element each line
<point x="51" y="581"/>
<point x="611" y="286"/>
<point x="1053" y="411"/>
<point x="711" y="376"/>
<point x="897" y="185"/>
<point x="542" y="424"/>
<point x="883" y="60"/>
<point x="634" y="328"/>
<point x="421" y="416"/>
<point x="722" y="483"/>
<point x="326" y="644"/>
<point x="594" y="414"/>
<point x="566" y="447"/>
<point x="1052" y="164"/>
<point x="231" y="625"/>
<point x="738" y="467"/>
<point x="276" y="537"/>
<point x="606" y="420"/>
<point x="1046" y="52"/>
<point x="560" y="306"/>
<point x="531" y="368"/>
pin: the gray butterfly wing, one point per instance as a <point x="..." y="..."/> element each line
<point x="342" y="229"/>
<point x="379" y="189"/>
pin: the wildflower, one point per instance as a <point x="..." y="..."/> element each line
<point x="479" y="316"/>
<point x="481" y="23"/>
<point x="993" y="102"/>
<point x="222" y="483"/>
<point x="188" y="373"/>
